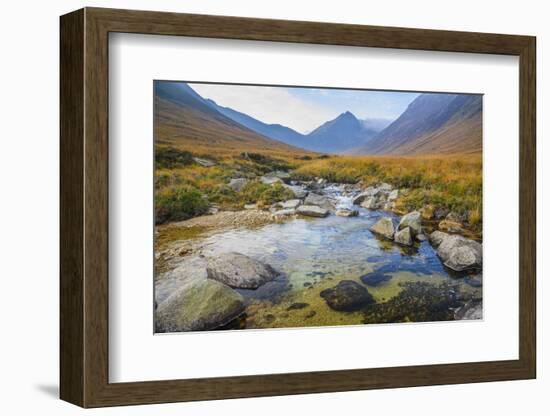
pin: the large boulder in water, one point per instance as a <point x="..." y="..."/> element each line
<point x="239" y="271"/>
<point x="347" y="296"/>
<point x="412" y="220"/>
<point x="344" y="212"/>
<point x="298" y="191"/>
<point x="384" y="227"/>
<point x="198" y="306"/>
<point x="458" y="253"/>
<point x="404" y="237"/>
<point x="312" y="211"/>
<point x="319" y="200"/>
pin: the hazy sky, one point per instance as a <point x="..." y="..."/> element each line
<point x="304" y="109"/>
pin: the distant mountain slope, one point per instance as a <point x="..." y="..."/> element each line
<point x="343" y="133"/>
<point x="274" y="131"/>
<point x="184" y="119"/>
<point x="433" y="123"/>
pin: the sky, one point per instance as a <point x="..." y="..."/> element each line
<point x="305" y="109"/>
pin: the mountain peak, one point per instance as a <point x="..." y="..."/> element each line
<point x="347" y="114"/>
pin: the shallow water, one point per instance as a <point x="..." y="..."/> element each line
<point x="313" y="254"/>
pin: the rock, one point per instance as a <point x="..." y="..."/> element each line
<point x="450" y="226"/>
<point x="270" y="180"/>
<point x="321" y="181"/>
<point x="238" y="184"/>
<point x="437" y="237"/>
<point x="198" y="306"/>
<point x="389" y="206"/>
<point x="312" y="211"/>
<point x="384" y="227"/>
<point x="213" y="210"/>
<point x="385" y="187"/>
<point x="371" y="203"/>
<point x="367" y="193"/>
<point x="453" y="216"/>
<point x="297" y="305"/>
<point x="204" y="162"/>
<point x="404" y="237"/>
<point x="421" y="237"/>
<point x="393" y="195"/>
<point x="471" y="310"/>
<point x="239" y="271"/>
<point x="427" y="212"/>
<point x="412" y="220"/>
<point x="459" y="253"/>
<point x="440" y="213"/>
<point x="298" y="191"/>
<point x="291" y="203"/>
<point x="250" y="206"/>
<point x="284" y="212"/>
<point x="375" y="278"/>
<point x="344" y="212"/>
<point x="319" y="200"/>
<point x="347" y="296"/>
<point x="279" y="174"/>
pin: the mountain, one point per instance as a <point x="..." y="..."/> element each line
<point x="375" y="124"/>
<point x="185" y="119"/>
<point x="274" y="131"/>
<point x="343" y="133"/>
<point x="432" y="123"/>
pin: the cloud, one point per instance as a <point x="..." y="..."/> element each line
<point x="268" y="104"/>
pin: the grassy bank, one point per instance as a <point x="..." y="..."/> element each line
<point x="185" y="189"/>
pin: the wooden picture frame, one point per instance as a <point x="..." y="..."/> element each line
<point x="84" y="207"/>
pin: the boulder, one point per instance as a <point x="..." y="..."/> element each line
<point x="404" y="237"/>
<point x="270" y="180"/>
<point x="250" y="206"/>
<point x="470" y="311"/>
<point x="347" y="295"/>
<point x="284" y="213"/>
<point x="291" y="203"/>
<point x="421" y="237"/>
<point x="367" y="193"/>
<point x="239" y="271"/>
<point x="238" y="184"/>
<point x="385" y="187"/>
<point x="384" y="227"/>
<point x="459" y="253"/>
<point x="450" y="226"/>
<point x="312" y="211"/>
<point x="204" y="162"/>
<point x="412" y="220"/>
<point x="437" y="237"/>
<point x="389" y="206"/>
<point x="282" y="175"/>
<point x="371" y="203"/>
<point x="298" y="191"/>
<point x="198" y="306"/>
<point x="319" y="200"/>
<point x="344" y="212"/>
<point x="393" y="195"/>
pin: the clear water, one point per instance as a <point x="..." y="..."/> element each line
<point x="313" y="254"/>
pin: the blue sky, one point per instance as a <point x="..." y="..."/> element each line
<point x="304" y="109"/>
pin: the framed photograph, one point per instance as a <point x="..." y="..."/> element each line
<point x="260" y="207"/>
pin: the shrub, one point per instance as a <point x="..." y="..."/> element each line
<point x="179" y="203"/>
<point x="257" y="192"/>
<point x="169" y="158"/>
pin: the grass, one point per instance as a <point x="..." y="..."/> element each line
<point x="452" y="182"/>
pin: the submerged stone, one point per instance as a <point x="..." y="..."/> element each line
<point x="375" y="278"/>
<point x="239" y="271"/>
<point x="347" y="296"/>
